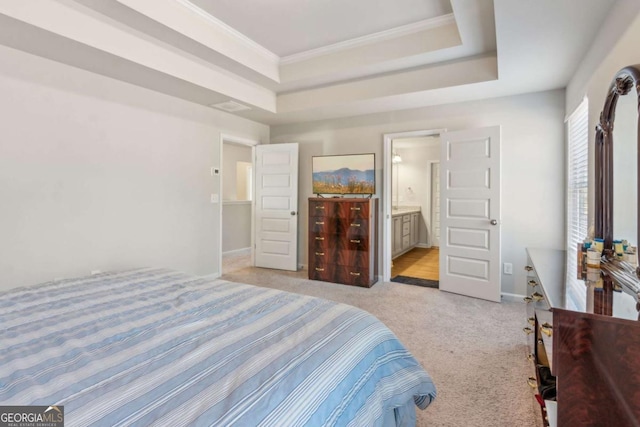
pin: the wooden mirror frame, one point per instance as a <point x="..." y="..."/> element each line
<point x="626" y="79"/>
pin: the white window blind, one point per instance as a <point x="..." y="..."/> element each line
<point x="577" y="187"/>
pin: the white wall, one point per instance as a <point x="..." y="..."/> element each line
<point x="231" y="155"/>
<point x="532" y="162"/>
<point x="100" y="174"/>
<point x="236" y="227"/>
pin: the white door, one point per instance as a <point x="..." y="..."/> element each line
<point x="277" y="206"/>
<point x="470" y="213"/>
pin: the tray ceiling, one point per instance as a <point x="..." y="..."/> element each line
<point x="299" y="60"/>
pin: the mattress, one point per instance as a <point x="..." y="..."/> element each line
<point x="160" y="347"/>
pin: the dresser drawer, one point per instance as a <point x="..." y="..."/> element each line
<point x="352" y="258"/>
<point x="320" y="208"/>
<point x="319" y="224"/>
<point x="322" y="273"/>
<point x="358" y="244"/>
<point x="319" y="258"/>
<point x="320" y="242"/>
<point x="356" y="227"/>
<point x="353" y="210"/>
<point x="353" y="276"/>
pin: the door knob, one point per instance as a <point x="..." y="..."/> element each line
<point x="293" y="213"/>
<point x="494" y="222"/>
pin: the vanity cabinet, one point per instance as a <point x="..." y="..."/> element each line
<point x="585" y="338"/>
<point x="343" y="243"/>
<point x="406" y="231"/>
<point x="415" y="229"/>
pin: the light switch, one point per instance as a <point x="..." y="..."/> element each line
<point x="508" y="268"/>
<point x="214" y="198"/>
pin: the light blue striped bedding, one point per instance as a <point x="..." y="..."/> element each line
<point x="158" y="347"/>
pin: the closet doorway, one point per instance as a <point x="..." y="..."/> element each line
<point x="415" y="208"/>
<point x="411" y="248"/>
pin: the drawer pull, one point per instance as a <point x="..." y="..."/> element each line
<point x="531" y="357"/>
<point x="319" y="269"/>
<point x="354" y="241"/>
<point x="319" y="238"/>
<point x="527" y="330"/>
<point x="320" y="253"/>
<point x="319" y="207"/>
<point x="532" y="283"/>
<point x="528" y="268"/>
<point x="353" y="273"/>
<point x="531" y="320"/>
<point x="546" y="329"/>
<point x="537" y="297"/>
<point x="319" y="222"/>
<point x="355" y="208"/>
<point x="532" y="382"/>
<point x="527" y="299"/>
<point x="355" y="225"/>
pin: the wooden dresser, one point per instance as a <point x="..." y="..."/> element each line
<point x="343" y="243"/>
<point x="586" y="338"/>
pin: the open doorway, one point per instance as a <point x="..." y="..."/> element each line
<point x="237" y="191"/>
<point x="412" y="248"/>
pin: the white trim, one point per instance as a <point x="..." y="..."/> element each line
<point x="386" y="194"/>
<point x="211" y="276"/>
<point x="237" y="252"/>
<point x="507" y="297"/>
<point x="238" y="140"/>
<point x="237" y="35"/>
<point x="370" y="38"/>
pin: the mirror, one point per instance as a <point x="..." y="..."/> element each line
<point x="616" y="173"/>
<point x="624" y="90"/>
<point x="625" y="169"/>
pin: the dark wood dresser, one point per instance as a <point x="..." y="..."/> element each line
<point x="343" y="243"/>
<point x="585" y="338"/>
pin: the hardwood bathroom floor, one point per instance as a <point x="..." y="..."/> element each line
<point x="418" y="262"/>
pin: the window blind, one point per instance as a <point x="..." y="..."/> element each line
<point x="577" y="187"/>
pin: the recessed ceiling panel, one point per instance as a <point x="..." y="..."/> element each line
<point x="286" y="27"/>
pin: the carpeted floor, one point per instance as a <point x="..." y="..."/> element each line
<point x="474" y="350"/>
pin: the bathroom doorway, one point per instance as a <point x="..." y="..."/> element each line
<point x="415" y="209"/>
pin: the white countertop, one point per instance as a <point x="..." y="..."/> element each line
<point x="401" y="210"/>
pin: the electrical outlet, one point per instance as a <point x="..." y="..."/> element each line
<point x="508" y="268"/>
<point x="94" y="272"/>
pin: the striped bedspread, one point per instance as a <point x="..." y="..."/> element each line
<point x="159" y="347"/>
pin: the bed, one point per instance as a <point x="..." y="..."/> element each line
<point x="160" y="347"/>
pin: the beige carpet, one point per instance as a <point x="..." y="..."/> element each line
<point x="474" y="350"/>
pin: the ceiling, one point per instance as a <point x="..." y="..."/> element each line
<point x="286" y="61"/>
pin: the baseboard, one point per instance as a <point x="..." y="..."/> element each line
<point x="243" y="251"/>
<point x="211" y="276"/>
<point x="511" y="297"/>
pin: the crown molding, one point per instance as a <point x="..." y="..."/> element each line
<point x="369" y="39"/>
<point x="238" y="36"/>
